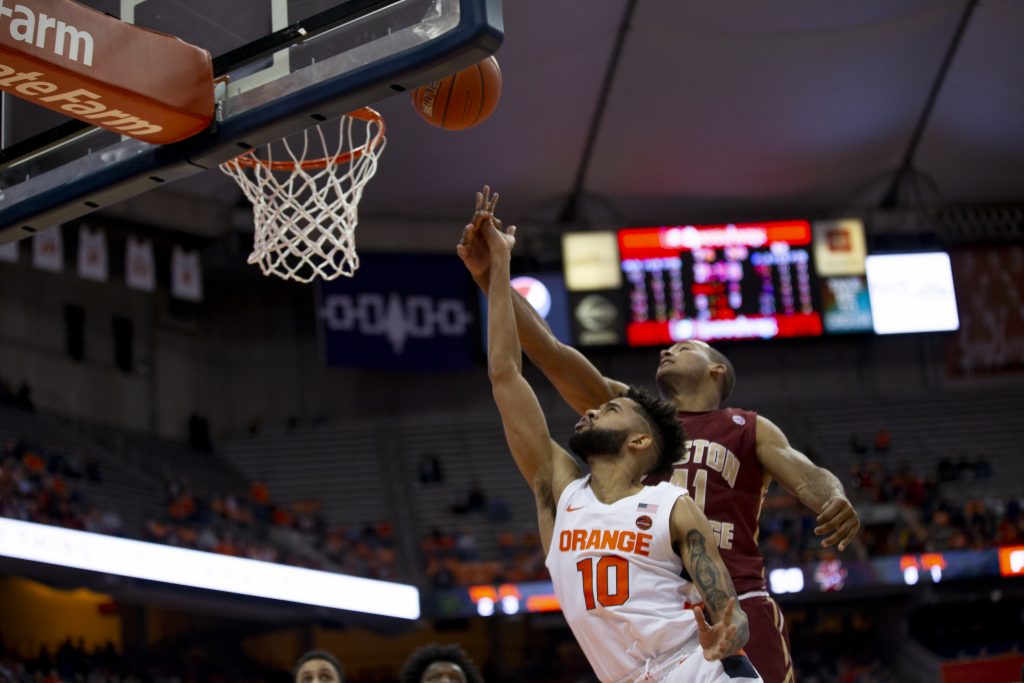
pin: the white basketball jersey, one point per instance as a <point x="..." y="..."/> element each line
<point x="617" y="578"/>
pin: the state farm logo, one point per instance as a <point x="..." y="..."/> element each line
<point x="395" y="317"/>
<point x="48" y="33"/>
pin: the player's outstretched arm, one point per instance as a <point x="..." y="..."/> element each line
<point x="543" y="463"/>
<point x="814" y="486"/>
<point x="576" y="379"/>
<point x="692" y="536"/>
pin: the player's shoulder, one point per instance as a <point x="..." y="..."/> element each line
<point x="667" y="491"/>
<point x="740" y="417"/>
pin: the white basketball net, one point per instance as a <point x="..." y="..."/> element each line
<point x="305" y="197"/>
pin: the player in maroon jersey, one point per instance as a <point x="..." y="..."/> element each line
<point x="730" y="460"/>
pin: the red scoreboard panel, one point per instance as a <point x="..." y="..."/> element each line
<point x="730" y="281"/>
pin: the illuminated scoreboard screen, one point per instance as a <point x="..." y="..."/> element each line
<point x="734" y="281"/>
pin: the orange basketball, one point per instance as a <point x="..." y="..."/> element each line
<point x="462" y="100"/>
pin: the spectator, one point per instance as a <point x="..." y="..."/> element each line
<point x="23" y="398"/>
<point x="199" y="434"/>
<point x="883" y="440"/>
<point x="440" y="662"/>
<point x="429" y="469"/>
<point x="318" y="666"/>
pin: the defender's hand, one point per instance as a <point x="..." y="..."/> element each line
<point x="839" y="520"/>
<point x="499" y="241"/>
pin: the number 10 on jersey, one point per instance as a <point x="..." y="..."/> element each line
<point x="609" y="592"/>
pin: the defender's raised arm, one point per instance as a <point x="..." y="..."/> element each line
<point x="577" y="380"/>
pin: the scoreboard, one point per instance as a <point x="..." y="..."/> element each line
<point x="731" y="281"/>
<point x="654" y="286"/>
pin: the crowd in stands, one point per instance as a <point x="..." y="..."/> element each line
<point x="451" y="559"/>
<point x="73" y="662"/>
<point x="451" y="556"/>
<point x="915" y="515"/>
<point x="20" y="398"/>
<point x="44" y="486"/>
<point x="41" y="486"/>
<point x="242" y="524"/>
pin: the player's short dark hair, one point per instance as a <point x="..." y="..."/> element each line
<point x="666" y="429"/>
<point x="729" y="381"/>
<point x="421" y="659"/>
<point x="320" y="654"/>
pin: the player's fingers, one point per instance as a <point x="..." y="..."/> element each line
<point x="851" y="534"/>
<point x="511" y="230"/>
<point x="830" y="509"/>
<point x="698" y="615"/>
<point x="838" y="520"/>
<point x="838" y="535"/>
<point x="847" y="533"/>
<point x="727" y="616"/>
<point x="494" y="201"/>
<point x="480" y="216"/>
<point x="717" y="650"/>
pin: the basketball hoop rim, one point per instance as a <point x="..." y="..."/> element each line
<point x="368" y="114"/>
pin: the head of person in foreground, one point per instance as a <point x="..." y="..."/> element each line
<point x="318" y="666"/>
<point x="436" y="663"/>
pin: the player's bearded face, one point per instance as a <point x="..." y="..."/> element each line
<point x="596" y="441"/>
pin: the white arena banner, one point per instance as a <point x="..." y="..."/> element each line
<point x="197" y="569"/>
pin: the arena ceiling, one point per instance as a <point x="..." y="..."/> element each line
<point x="713" y="111"/>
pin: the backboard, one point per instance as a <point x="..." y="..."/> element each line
<point x="289" y="64"/>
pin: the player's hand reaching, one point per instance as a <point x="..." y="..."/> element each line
<point x="839" y="520"/>
<point x="499" y="241"/>
<point x="722" y="639"/>
<point x="472" y="248"/>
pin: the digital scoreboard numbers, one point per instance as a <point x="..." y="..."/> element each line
<point x="731" y="281"/>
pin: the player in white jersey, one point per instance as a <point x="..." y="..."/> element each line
<point x="617" y="550"/>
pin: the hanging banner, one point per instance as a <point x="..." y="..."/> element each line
<point x="139" y="269"/>
<point x="48" y="250"/>
<point x="92" y="254"/>
<point x="186" y="275"/>
<point x="9" y="252"/>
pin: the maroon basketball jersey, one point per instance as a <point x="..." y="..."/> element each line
<point x="721" y="471"/>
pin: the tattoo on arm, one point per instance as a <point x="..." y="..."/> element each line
<point x="706" y="575"/>
<point x="714" y="585"/>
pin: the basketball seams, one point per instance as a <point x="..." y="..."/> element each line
<point x="448" y="100"/>
<point x="457" y="102"/>
<point x="483" y="91"/>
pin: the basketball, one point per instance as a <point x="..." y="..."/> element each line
<point x="462" y="100"/>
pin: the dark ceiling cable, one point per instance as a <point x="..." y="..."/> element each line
<point x="906" y="168"/>
<point x="570" y="211"/>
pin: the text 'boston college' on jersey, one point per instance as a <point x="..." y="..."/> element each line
<point x="721" y="470"/>
<point x="615" y="574"/>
